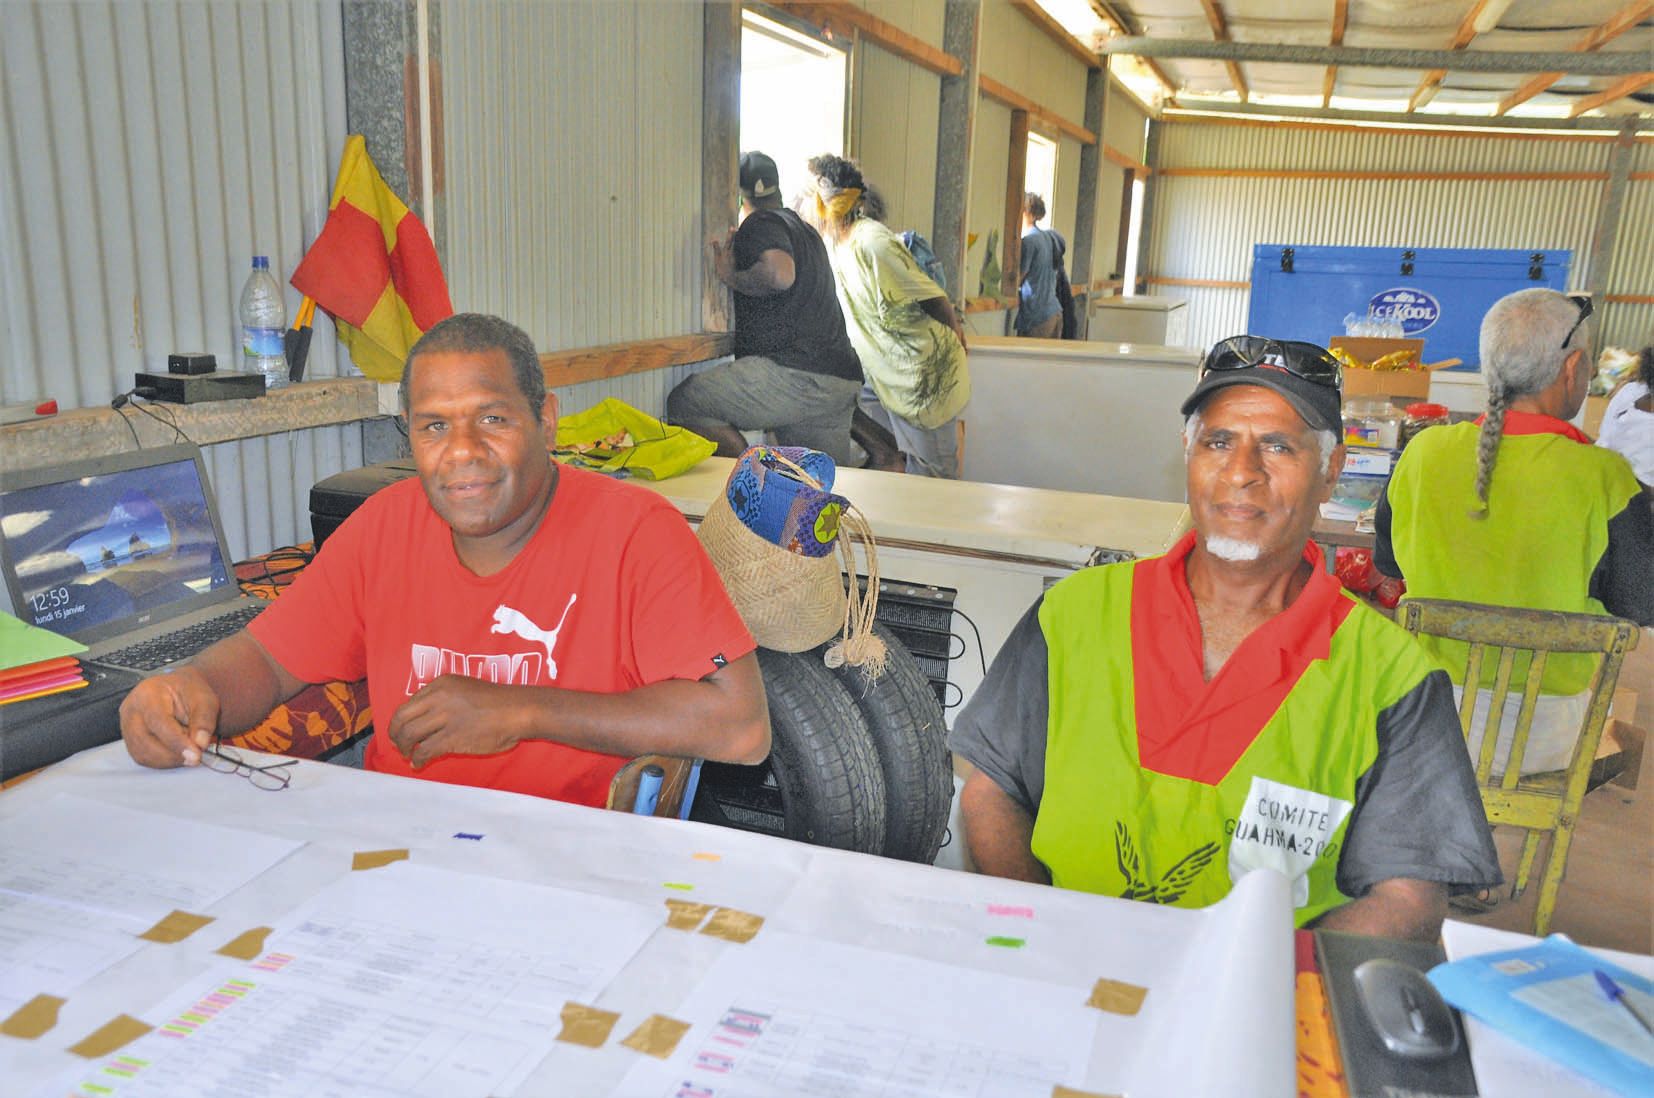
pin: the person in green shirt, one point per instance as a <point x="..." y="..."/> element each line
<point x="1519" y="509"/>
<point x="908" y="336"/>
<point x="1157" y="728"/>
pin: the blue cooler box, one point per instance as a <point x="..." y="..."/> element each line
<point x="1439" y="294"/>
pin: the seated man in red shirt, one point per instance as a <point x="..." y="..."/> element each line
<point x="521" y="625"/>
<point x="1155" y="729"/>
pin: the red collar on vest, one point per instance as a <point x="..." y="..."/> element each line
<point x="1538" y="423"/>
<point x="1188" y="727"/>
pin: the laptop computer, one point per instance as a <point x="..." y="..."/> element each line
<point x="125" y="554"/>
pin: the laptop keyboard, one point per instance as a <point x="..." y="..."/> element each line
<point x="183" y="643"/>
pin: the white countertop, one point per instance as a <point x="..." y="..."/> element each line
<point x="1099" y="352"/>
<point x="993" y="519"/>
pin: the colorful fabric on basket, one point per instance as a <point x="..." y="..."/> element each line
<point x="773" y="503"/>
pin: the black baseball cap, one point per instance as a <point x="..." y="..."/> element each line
<point x="1306" y="375"/>
<point x="759" y="179"/>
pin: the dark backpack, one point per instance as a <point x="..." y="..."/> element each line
<point x="1065" y="292"/>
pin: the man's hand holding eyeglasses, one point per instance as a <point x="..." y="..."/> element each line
<point x="168" y="720"/>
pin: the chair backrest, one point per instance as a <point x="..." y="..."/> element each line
<point x="1512" y="636"/>
<point x="676" y="779"/>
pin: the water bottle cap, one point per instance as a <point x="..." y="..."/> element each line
<point x="261" y="262"/>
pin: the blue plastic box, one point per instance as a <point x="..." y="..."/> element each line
<point x="1440" y="294"/>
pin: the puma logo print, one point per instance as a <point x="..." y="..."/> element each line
<point x="507" y="620"/>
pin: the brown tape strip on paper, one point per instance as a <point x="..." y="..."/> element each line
<point x="33" y="1018"/>
<point x="732" y="925"/>
<point x="685" y="914"/>
<point x="586" y="1025"/>
<point x="246" y="946"/>
<point x="175" y="926"/>
<point x="1117" y="997"/>
<point x="658" y="1036"/>
<point x="1070" y="1092"/>
<point x="119" y="1032"/>
<point x="373" y="859"/>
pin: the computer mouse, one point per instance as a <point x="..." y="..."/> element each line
<point x="1406" y="1011"/>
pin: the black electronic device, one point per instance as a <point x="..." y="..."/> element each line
<point x="198" y="388"/>
<point x="1395" y="1034"/>
<point x="42" y="731"/>
<point x="333" y="498"/>
<point x="192" y="362"/>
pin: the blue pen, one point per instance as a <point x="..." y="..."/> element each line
<point x="1616" y="994"/>
<point x="648" y="790"/>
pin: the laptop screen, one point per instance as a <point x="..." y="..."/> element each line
<point x="86" y="552"/>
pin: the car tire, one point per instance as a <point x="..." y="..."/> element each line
<point x="911" y="738"/>
<point x="822" y="783"/>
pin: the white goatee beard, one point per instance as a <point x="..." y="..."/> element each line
<point x="1233" y="550"/>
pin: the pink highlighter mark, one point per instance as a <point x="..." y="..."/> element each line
<point x="1011" y="910"/>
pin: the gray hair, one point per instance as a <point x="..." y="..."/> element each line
<point x="1326" y="440"/>
<point x="474" y="332"/>
<point x="1522" y="353"/>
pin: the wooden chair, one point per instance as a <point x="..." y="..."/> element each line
<point x="676" y="788"/>
<point x="1536" y="803"/>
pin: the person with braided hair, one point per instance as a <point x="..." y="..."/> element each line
<point x="1519" y="509"/>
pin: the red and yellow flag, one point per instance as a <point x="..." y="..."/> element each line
<point x="374" y="269"/>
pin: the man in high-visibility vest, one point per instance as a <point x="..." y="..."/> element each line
<point x="1155" y="729"/>
<point x="1519" y="509"/>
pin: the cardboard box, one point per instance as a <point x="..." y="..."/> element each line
<point x="1410" y="384"/>
<point x="1595" y="406"/>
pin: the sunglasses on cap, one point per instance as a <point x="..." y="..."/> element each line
<point x="1582" y="302"/>
<point x="1305" y="360"/>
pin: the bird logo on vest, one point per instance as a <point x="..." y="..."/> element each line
<point x="1173" y="883"/>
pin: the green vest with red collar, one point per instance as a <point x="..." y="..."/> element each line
<point x="1108" y="826"/>
<point x="1545" y="531"/>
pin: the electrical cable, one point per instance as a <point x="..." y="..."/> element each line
<point x="981" y="655"/>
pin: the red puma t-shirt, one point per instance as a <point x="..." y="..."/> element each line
<point x="613" y="592"/>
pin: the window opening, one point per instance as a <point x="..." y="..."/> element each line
<point x="792" y="97"/>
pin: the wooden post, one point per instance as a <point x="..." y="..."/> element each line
<point x="1016" y="179"/>
<point x="720" y="149"/>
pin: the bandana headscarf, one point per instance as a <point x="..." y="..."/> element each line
<point x="837" y="207"/>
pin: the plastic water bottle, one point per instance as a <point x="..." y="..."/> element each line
<point x="263" y="325"/>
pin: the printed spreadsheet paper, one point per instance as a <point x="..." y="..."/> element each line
<point x="454" y="972"/>
<point x="399" y="981"/>
<point x="79" y="881"/>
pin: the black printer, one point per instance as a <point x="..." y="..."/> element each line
<point x="332" y="500"/>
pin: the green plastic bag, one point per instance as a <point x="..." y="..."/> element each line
<point x="614" y="437"/>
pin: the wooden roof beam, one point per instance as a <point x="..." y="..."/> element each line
<point x="1340" y="20"/>
<point x="1617" y="24"/>
<point x="840" y="19"/>
<point x="1618" y="90"/>
<point x="1118" y="25"/>
<point x="1220" y="33"/>
<point x="1432" y="81"/>
<point x="1054" y="30"/>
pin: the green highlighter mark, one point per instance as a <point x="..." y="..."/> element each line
<point x="680" y="886"/>
<point x="1007" y="943"/>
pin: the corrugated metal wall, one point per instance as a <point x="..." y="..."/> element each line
<point x="1205" y="227"/>
<point x="573" y="166"/>
<point x="148" y="151"/>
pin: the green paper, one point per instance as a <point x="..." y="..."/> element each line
<point x="22" y="644"/>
